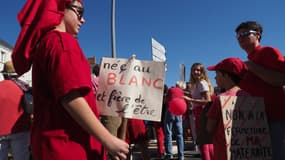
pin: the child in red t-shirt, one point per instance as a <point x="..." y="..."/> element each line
<point x="228" y="75"/>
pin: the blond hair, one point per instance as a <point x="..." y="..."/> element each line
<point x="193" y="81"/>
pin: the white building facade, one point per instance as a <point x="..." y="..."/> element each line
<point x="5" y="55"/>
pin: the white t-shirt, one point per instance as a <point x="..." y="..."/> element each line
<point x="200" y="87"/>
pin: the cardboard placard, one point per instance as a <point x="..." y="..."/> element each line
<point x="131" y="88"/>
<point x="246" y="128"/>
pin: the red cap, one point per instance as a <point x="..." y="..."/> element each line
<point x="232" y="65"/>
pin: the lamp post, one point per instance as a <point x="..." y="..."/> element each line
<point x="123" y="127"/>
<point x="113" y="36"/>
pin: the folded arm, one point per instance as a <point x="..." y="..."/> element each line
<point x="272" y="77"/>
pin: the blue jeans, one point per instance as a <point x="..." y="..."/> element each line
<point x="18" y="143"/>
<point x="176" y="121"/>
<point x="277" y="134"/>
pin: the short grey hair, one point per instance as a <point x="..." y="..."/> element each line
<point x="181" y="84"/>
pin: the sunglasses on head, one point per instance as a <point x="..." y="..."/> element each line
<point x="77" y="10"/>
<point x="245" y="33"/>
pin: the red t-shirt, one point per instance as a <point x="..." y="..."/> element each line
<point x="12" y="117"/>
<point x="136" y="131"/>
<point x="215" y="113"/>
<point x="59" y="66"/>
<point x="270" y="58"/>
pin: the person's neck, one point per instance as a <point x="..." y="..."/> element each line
<point x="60" y="27"/>
<point x="249" y="50"/>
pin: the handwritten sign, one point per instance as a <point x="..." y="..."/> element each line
<point x="131" y="88"/>
<point x="246" y="128"/>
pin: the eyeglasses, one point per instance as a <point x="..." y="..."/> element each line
<point x="245" y="34"/>
<point x="77" y="10"/>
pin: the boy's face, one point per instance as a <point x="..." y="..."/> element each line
<point x="220" y="79"/>
<point x="247" y="38"/>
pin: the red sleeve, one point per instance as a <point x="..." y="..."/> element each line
<point x="69" y="69"/>
<point x="268" y="57"/>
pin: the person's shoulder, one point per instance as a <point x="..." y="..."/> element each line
<point x="8" y="84"/>
<point x="269" y="50"/>
<point x="62" y="39"/>
<point x="6" y="81"/>
<point x="203" y="82"/>
<point x="243" y="93"/>
<point x="174" y="89"/>
<point x="266" y="55"/>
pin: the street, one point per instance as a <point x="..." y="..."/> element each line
<point x="189" y="153"/>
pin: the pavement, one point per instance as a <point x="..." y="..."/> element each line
<point x="189" y="151"/>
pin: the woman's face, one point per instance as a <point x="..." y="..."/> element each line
<point x="196" y="71"/>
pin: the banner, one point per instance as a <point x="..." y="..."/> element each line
<point x="246" y="129"/>
<point x="131" y="88"/>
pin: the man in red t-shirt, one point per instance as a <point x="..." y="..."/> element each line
<point x="66" y="124"/>
<point x="265" y="78"/>
<point x="14" y="123"/>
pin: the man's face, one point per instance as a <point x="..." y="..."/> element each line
<point x="248" y="39"/>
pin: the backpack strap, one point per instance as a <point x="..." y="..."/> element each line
<point x="24" y="86"/>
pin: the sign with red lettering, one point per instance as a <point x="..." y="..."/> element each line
<point x="131" y="88"/>
<point x="246" y="128"/>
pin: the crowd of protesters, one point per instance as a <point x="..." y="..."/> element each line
<point x="66" y="123"/>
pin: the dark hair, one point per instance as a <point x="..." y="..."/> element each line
<point x="165" y="89"/>
<point x="235" y="78"/>
<point x="96" y="69"/>
<point x="250" y="25"/>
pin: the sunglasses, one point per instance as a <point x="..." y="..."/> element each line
<point x="245" y="34"/>
<point x="77" y="10"/>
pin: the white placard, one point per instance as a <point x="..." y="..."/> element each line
<point x="158" y="51"/>
<point x="131" y="88"/>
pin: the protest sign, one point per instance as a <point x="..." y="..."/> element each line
<point x="131" y="88"/>
<point x="246" y="128"/>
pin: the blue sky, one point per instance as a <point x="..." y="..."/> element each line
<point x="190" y="30"/>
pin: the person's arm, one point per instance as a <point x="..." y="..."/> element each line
<point x="272" y="77"/>
<point x="80" y="111"/>
<point x="206" y="98"/>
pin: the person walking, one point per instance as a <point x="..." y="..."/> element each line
<point x="171" y="120"/>
<point x="259" y="82"/>
<point x="66" y="124"/>
<point x="15" y="122"/>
